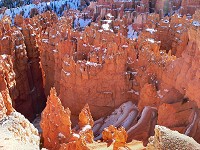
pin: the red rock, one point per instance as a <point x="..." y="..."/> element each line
<point x="175" y="115"/>
<point x="16" y="130"/>
<point x="104" y="69"/>
<point x="108" y="133"/>
<point x="148" y="97"/>
<point x="57" y="120"/>
<point x="85" y="117"/>
<point x="120" y="137"/>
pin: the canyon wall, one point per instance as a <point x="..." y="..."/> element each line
<point x="110" y="69"/>
<point x="16" y="130"/>
<point x="20" y="43"/>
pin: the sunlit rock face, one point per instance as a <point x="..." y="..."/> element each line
<point x="56" y="119"/>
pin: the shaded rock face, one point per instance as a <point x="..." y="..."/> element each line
<point x="165" y="138"/>
<point x="16" y="131"/>
<point x="20" y="43"/>
<point x="138" y="126"/>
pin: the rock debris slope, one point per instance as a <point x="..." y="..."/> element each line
<point x="167" y="139"/>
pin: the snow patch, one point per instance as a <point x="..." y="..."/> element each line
<point x="4" y="56"/>
<point x="85" y="128"/>
<point x="151" y="40"/>
<point x="131" y="33"/>
<point x="66" y="73"/>
<point x="159" y="94"/>
<point x="61" y="135"/>
<point x="80" y="22"/>
<point x="133" y="91"/>
<point x="41" y="7"/>
<point x="76" y="135"/>
<point x="151" y="30"/>
<point x="106" y="27"/>
<point x="196" y="23"/>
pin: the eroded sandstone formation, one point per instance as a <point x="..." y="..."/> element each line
<point x="20" y="43"/>
<point x="165" y="138"/>
<point x="56" y="126"/>
<point x="119" y="136"/>
<point x="16" y="131"/>
<point x="55" y="119"/>
<point x="137" y="70"/>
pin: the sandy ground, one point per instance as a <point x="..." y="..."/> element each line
<point x="134" y="145"/>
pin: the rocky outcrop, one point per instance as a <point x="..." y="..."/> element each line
<point x="20" y="43"/>
<point x="18" y="133"/>
<point x="7" y="80"/>
<point x="119" y="136"/>
<point x="85" y="117"/>
<point x="177" y="116"/>
<point x="185" y="68"/>
<point x="165" y="138"/>
<point x="120" y="60"/>
<point x="55" y="119"/>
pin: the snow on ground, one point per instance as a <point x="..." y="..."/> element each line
<point x="122" y="0"/>
<point x="116" y="118"/>
<point x="55" y="5"/>
<point x="80" y="22"/>
<point x="151" y="40"/>
<point x="151" y="30"/>
<point x="131" y="33"/>
<point x="129" y="119"/>
<point x="196" y="23"/>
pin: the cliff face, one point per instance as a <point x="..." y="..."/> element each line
<point x="101" y="64"/>
<point x="16" y="130"/>
<point x="20" y="43"/>
<point x="7" y="82"/>
<point x="186" y="67"/>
